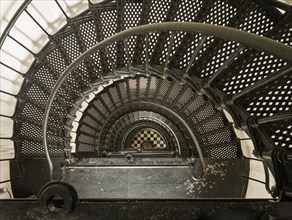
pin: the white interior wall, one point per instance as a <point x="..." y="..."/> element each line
<point x="27" y="32"/>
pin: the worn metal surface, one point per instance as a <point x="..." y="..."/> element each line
<point x="157" y="179"/>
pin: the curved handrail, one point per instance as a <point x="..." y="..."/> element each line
<point x="247" y="39"/>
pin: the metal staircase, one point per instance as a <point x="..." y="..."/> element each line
<point x="149" y="85"/>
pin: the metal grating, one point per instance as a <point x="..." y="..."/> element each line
<point x="280" y="133"/>
<point x="216" y="12"/>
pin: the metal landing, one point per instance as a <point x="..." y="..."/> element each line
<point x="160" y="179"/>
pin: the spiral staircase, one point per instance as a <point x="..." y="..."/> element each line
<point x="133" y="90"/>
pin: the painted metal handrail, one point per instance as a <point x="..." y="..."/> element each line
<point x="248" y="40"/>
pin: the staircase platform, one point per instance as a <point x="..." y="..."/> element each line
<point x="162" y="178"/>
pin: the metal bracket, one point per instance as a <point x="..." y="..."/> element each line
<point x="196" y="169"/>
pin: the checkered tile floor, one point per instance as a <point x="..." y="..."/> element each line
<point x="148" y="136"/>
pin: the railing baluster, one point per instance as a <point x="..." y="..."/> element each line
<point x="182" y="91"/>
<point x="11" y="68"/>
<point x="38" y="24"/>
<point x="111" y="99"/>
<point x="10" y="180"/>
<point x="110" y="60"/>
<point x="267" y="175"/>
<point x="120" y="94"/>
<point x="10" y="94"/>
<point x="6" y="138"/>
<point x="225" y="64"/>
<point x="6" y="116"/>
<point x="128" y="90"/>
<point x="7" y="159"/>
<point x="169" y="89"/>
<point x="164" y="68"/>
<point x="67" y="17"/>
<point x="127" y="55"/>
<point x="105" y="105"/>
<point x="276" y="117"/>
<point x="253" y="179"/>
<point x="21" y="45"/>
<point x="262" y="82"/>
<point x="147" y="53"/>
<point x="195" y="54"/>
